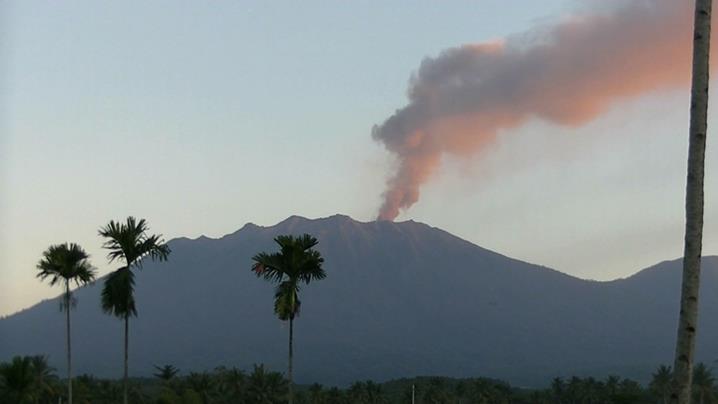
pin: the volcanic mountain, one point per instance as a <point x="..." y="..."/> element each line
<point x="400" y="299"/>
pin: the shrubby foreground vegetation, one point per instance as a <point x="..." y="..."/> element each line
<point x="29" y="379"/>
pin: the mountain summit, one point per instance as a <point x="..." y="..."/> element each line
<point x="400" y="299"/>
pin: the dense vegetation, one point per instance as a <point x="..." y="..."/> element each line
<point x="29" y="379"/>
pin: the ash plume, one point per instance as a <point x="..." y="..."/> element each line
<point x="567" y="73"/>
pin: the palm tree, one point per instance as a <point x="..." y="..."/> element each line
<point x="232" y="384"/>
<point x="265" y="387"/>
<point x="202" y="383"/>
<point x="661" y="383"/>
<point x="44" y="376"/>
<point x="703" y="382"/>
<point x="296" y="262"/>
<point x="66" y="264"/>
<point x="129" y="242"/>
<point x="18" y="381"/>
<point x="688" y="320"/>
<point x="166" y="372"/>
<point x="316" y="393"/>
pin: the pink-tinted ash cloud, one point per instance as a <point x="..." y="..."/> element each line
<point x="567" y="74"/>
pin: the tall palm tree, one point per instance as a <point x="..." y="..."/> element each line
<point x="688" y="320"/>
<point x="130" y="243"/>
<point x="66" y="264"/>
<point x="296" y="262"/>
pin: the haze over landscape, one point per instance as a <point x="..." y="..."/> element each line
<point x="181" y="136"/>
<point x="496" y="191"/>
<point x="390" y="307"/>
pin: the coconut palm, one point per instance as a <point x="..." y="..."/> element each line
<point x="265" y="387"/>
<point x="688" y="319"/>
<point x="661" y="383"/>
<point x="44" y="376"/>
<point x="232" y="384"/>
<point x="703" y="383"/>
<point x="203" y="384"/>
<point x="166" y="372"/>
<point x="297" y="262"/>
<point x="66" y="264"/>
<point x="17" y="381"/>
<point x="128" y="242"/>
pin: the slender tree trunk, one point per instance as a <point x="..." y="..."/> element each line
<point x="124" y="381"/>
<point x="289" y="374"/>
<point x="68" y="298"/>
<point x="688" y="321"/>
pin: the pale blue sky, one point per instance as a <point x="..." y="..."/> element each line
<point x="203" y="116"/>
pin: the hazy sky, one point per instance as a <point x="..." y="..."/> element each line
<point x="201" y="117"/>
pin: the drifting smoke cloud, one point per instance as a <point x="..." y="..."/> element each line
<point x="568" y="74"/>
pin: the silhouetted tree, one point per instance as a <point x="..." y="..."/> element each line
<point x="129" y="242"/>
<point x="166" y="372"/>
<point x="26" y="379"/>
<point x="66" y="264"/>
<point x="703" y="383"/>
<point x="266" y="387"/>
<point x="660" y="384"/>
<point x="296" y="262"/>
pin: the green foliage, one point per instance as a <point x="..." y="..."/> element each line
<point x="703" y="384"/>
<point x="166" y="372"/>
<point x="27" y="379"/>
<point x="266" y="387"/>
<point x="30" y="380"/>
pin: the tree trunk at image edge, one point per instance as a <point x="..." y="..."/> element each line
<point x="688" y="321"/>
<point x="69" y="345"/>
<point x="291" y="381"/>
<point x="124" y="381"/>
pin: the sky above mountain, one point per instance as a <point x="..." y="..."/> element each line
<point x="203" y="117"/>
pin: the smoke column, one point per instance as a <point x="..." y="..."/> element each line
<point x="567" y="74"/>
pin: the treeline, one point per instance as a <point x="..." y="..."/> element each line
<point x="30" y="379"/>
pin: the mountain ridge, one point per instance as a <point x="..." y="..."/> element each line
<point x="400" y="299"/>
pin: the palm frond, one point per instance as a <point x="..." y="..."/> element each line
<point x="296" y="262"/>
<point x="118" y="293"/>
<point x="268" y="266"/>
<point x="67" y="262"/>
<point x="286" y="300"/>
<point x="129" y="241"/>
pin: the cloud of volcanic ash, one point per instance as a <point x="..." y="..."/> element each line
<point x="567" y="73"/>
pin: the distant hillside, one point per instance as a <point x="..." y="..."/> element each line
<point x="400" y="299"/>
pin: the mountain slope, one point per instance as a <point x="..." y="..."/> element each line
<point x="400" y="299"/>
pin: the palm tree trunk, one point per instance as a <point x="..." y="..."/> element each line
<point x="124" y="381"/>
<point x="688" y="321"/>
<point x="289" y="373"/>
<point x="69" y="345"/>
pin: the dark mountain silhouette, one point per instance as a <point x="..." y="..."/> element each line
<point x="400" y="299"/>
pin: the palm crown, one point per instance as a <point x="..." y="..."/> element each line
<point x="129" y="241"/>
<point x="66" y="262"/>
<point x="296" y="262"/>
